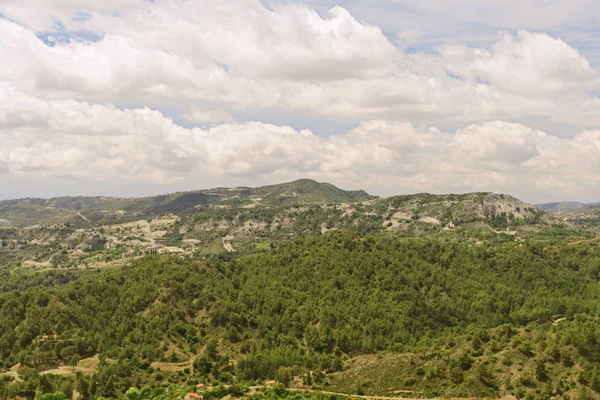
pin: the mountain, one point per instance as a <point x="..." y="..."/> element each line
<point x="490" y="209"/>
<point x="301" y="191"/>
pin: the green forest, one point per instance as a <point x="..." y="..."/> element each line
<point x="340" y="313"/>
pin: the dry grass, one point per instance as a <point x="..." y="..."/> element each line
<point x="172" y="367"/>
<point x="87" y="366"/>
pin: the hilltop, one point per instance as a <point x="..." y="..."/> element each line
<point x="302" y="191"/>
<point x="491" y="209"/>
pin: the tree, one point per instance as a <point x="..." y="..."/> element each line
<point x="54" y="396"/>
<point x="133" y="394"/>
<point x="211" y="350"/>
<point x="595" y="380"/>
<point x="68" y="352"/>
<point x="541" y="373"/>
<point x="203" y="365"/>
<point x="284" y="375"/>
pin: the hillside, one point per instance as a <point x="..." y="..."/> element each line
<point x="77" y="210"/>
<point x="490" y="209"/>
<point x="585" y="216"/>
<point x="232" y="226"/>
<point x="302" y="191"/>
<point x="562" y="206"/>
<point x="367" y="315"/>
<point x="418" y="295"/>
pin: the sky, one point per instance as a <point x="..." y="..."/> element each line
<point x="142" y="97"/>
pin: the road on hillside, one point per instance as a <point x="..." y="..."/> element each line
<point x="83" y="216"/>
<point x="356" y="395"/>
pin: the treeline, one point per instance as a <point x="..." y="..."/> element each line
<point x="12" y="279"/>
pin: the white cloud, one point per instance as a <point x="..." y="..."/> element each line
<point x="64" y="138"/>
<point x="42" y="15"/>
<point x="242" y="55"/>
<point x="219" y="60"/>
<point x="529" y="63"/>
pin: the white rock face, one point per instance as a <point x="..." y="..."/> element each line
<point x="429" y="220"/>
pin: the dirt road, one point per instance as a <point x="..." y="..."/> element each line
<point x="356" y="395"/>
<point x="83" y="216"/>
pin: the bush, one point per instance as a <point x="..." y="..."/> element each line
<point x="54" y="396"/>
<point x="526" y="379"/>
<point x="284" y="375"/>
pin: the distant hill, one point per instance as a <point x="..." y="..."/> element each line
<point x="301" y="191"/>
<point x="585" y="216"/>
<point x="68" y="231"/>
<point x="565" y="206"/>
<point x="32" y="211"/>
<point x="449" y="211"/>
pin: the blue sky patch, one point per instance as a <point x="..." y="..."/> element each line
<point x="81" y="16"/>
<point x="59" y="35"/>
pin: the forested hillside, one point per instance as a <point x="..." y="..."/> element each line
<point x="439" y="318"/>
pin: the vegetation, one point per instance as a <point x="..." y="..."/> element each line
<point x="456" y="318"/>
<point x="320" y="292"/>
<point x="27" y="212"/>
<point x="245" y="220"/>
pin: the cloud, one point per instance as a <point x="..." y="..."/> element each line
<point x="476" y="23"/>
<point x="243" y="56"/>
<point x="46" y="138"/>
<point x="42" y="16"/>
<point x="527" y="64"/>
<point x="515" y="14"/>
<point x="62" y="113"/>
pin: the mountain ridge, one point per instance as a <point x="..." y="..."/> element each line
<point x="436" y="209"/>
<point x="217" y="189"/>
<point x="39" y="234"/>
<point x="560" y="206"/>
<point x="50" y="210"/>
<point x="303" y="192"/>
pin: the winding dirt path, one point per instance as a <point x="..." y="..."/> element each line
<point x="83" y="216"/>
<point x="355" y="395"/>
